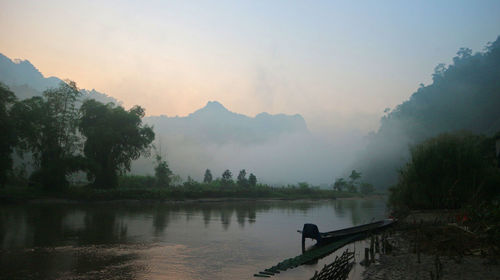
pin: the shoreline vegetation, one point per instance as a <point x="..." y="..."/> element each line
<point x="201" y="193"/>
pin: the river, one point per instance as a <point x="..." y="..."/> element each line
<point x="139" y="240"/>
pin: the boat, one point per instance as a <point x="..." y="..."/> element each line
<point x="312" y="231"/>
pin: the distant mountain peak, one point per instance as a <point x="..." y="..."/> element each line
<point x="212" y="108"/>
<point x="215" y="105"/>
<point x="17" y="60"/>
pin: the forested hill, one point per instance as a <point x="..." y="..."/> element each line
<point x="463" y="96"/>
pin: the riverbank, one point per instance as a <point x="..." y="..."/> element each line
<point x="432" y="245"/>
<point x="173" y="194"/>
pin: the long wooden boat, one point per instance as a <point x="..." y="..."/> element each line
<point x="312" y="231"/>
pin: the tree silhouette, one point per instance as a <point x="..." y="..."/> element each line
<point x="227" y="177"/>
<point x="8" y="136"/>
<point x="207" y="178"/>
<point x="242" y="180"/>
<point x="252" y="180"/>
<point x="115" y="137"/>
<point x="47" y="128"/>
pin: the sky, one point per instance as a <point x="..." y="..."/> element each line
<point x="337" y="63"/>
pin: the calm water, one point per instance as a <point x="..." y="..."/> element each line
<point x="231" y="240"/>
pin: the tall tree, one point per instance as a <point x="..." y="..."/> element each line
<point x="242" y="180"/>
<point x="252" y="180"/>
<point x="115" y="137"/>
<point x="227" y="177"/>
<point x="354" y="176"/>
<point x="47" y="128"/>
<point x="340" y="184"/>
<point x="162" y="172"/>
<point x="208" y="176"/>
<point x="8" y="137"/>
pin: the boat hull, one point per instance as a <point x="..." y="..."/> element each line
<point x="311" y="231"/>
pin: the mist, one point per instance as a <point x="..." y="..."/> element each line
<point x="278" y="149"/>
<point x="286" y="159"/>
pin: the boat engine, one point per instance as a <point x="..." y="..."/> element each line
<point x="310" y="231"/>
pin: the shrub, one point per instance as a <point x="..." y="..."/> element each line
<point x="447" y="171"/>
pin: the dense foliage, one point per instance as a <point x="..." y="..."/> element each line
<point x="163" y="173"/>
<point x="45" y="130"/>
<point x="7" y="136"/>
<point x="451" y="170"/>
<point x="463" y="96"/>
<point x="353" y="184"/>
<point x="46" y="127"/>
<point x="207" y="178"/>
<point x="114" y="137"/>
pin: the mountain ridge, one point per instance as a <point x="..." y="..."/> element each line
<point x="213" y="123"/>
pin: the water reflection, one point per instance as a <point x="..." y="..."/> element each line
<point x="138" y="240"/>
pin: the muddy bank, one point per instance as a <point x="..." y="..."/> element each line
<point x="428" y="246"/>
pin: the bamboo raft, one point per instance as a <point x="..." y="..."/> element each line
<point x="338" y="270"/>
<point x="309" y="256"/>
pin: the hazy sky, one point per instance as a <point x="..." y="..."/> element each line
<point x="338" y="63"/>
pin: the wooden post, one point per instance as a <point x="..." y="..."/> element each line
<point x="367" y="258"/>
<point x="303" y="243"/>
<point x="497" y="149"/>
<point x="418" y="253"/>
<point x="372" y="249"/>
<point x="377" y="245"/>
<point x="383" y="243"/>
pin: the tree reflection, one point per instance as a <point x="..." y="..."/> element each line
<point x="101" y="227"/>
<point x="161" y="219"/>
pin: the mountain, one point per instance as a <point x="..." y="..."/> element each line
<point x="210" y="124"/>
<point x="26" y="81"/>
<point x="215" y="124"/>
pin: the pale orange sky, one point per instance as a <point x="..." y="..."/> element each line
<point x="338" y="64"/>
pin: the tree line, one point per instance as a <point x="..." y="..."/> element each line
<point x="353" y="184"/>
<point x="63" y="134"/>
<point x="450" y="171"/>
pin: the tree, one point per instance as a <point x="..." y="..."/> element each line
<point x="47" y="128"/>
<point x="208" y="176"/>
<point x="162" y="172"/>
<point x="190" y="182"/>
<point x="340" y="184"/>
<point x="252" y="180"/>
<point x="8" y="137"/>
<point x="227" y="177"/>
<point x="242" y="180"/>
<point x="351" y="187"/>
<point x="114" y="137"/>
<point x="366" y="188"/>
<point x="354" y="176"/>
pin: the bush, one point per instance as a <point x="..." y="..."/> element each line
<point x="448" y="171"/>
<point x="136" y="181"/>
